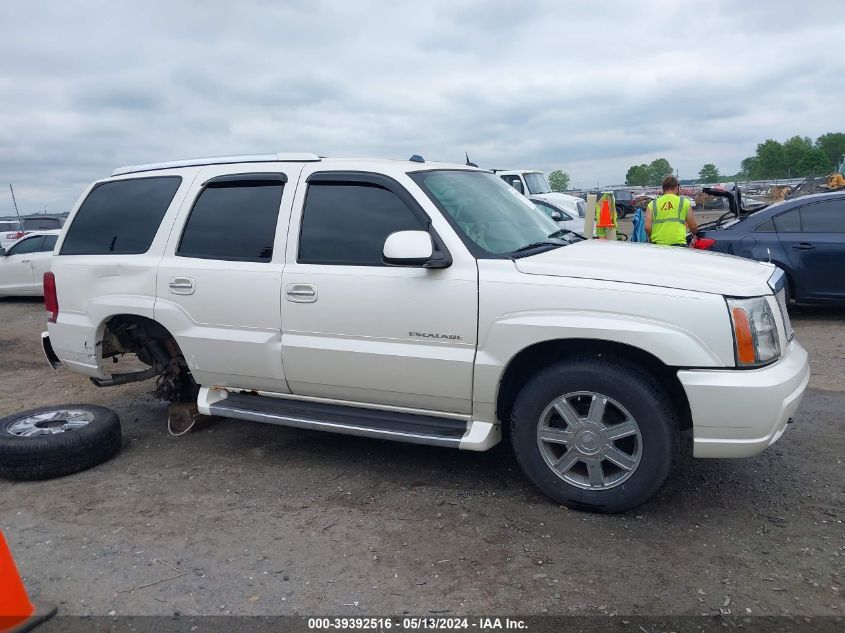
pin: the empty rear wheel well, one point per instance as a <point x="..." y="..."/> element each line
<point x="534" y="358"/>
<point x="155" y="346"/>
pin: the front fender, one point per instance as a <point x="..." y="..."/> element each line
<point x="672" y="344"/>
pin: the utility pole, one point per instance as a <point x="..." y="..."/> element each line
<point x="15" y="202"/>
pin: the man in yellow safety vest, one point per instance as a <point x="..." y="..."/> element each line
<point x="668" y="218"/>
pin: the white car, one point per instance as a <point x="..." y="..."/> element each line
<point x="533" y="184"/>
<point x="427" y="303"/>
<point x="560" y="214"/>
<point x="23" y="264"/>
<point x="10" y="232"/>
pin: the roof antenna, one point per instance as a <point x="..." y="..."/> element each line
<point x="469" y="164"/>
<point x="416" y="158"/>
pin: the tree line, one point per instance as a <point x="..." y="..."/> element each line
<point x="797" y="157"/>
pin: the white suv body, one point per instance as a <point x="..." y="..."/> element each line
<point x="442" y="347"/>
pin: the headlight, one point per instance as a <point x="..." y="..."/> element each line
<point x="755" y="332"/>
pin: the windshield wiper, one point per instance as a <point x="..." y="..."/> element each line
<point x="536" y="245"/>
<point x="565" y="232"/>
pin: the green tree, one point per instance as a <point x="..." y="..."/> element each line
<point x="658" y="170"/>
<point x="771" y="161"/>
<point x="747" y="167"/>
<point x="637" y="175"/>
<point x="794" y="152"/>
<point x="709" y="173"/>
<point x="559" y="180"/>
<point x="814" y="163"/>
<point x="833" y="146"/>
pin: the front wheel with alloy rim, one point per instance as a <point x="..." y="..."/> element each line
<point x="55" y="441"/>
<point x="595" y="433"/>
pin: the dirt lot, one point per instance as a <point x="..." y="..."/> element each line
<point x="246" y="518"/>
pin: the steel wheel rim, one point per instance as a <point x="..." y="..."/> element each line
<point x="50" y="423"/>
<point x="589" y="440"/>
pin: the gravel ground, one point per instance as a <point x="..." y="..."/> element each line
<point x="245" y="518"/>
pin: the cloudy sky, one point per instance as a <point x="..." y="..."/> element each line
<point x="588" y="87"/>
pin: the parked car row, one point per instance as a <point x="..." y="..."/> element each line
<point x="12" y="230"/>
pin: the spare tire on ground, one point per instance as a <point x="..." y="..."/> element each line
<point x="54" y="441"/>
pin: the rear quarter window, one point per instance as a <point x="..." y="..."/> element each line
<point x="789" y="222"/>
<point x="766" y="227"/>
<point x="120" y="217"/>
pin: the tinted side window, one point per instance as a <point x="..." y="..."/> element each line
<point x="49" y="243"/>
<point x="120" y="217"/>
<point x="789" y="222"/>
<point x="29" y="245"/>
<point x="233" y="221"/>
<point x="766" y="227"/>
<point x="824" y="217"/>
<point x="347" y="224"/>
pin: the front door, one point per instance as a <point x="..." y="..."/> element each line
<point x="357" y="330"/>
<point x="219" y="282"/>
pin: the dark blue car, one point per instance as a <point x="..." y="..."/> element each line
<point x="804" y="236"/>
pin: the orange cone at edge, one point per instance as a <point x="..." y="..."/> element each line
<point x="605" y="221"/>
<point x="15" y="607"/>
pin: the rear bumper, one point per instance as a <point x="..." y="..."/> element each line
<point x="49" y="354"/>
<point x="739" y="413"/>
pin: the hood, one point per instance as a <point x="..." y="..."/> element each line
<point x="554" y="196"/>
<point x="665" y="266"/>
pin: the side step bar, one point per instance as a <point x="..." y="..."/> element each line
<point x="319" y="416"/>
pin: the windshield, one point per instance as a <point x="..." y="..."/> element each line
<point x="536" y="183"/>
<point x="491" y="214"/>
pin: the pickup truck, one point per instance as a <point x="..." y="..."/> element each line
<point x="422" y="302"/>
<point x="532" y="183"/>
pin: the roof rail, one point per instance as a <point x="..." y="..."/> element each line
<point x="289" y="157"/>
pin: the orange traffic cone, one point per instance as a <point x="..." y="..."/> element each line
<point x="605" y="221"/>
<point x="17" y="613"/>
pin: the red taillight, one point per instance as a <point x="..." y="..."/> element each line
<point x="703" y="243"/>
<point x="15" y="235"/>
<point x="51" y="299"/>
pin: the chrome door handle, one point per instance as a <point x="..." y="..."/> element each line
<point x="181" y="286"/>
<point x="301" y="293"/>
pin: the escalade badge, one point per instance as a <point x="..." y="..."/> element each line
<point x="451" y="337"/>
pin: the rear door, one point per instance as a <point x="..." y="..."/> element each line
<point x="814" y="238"/>
<point x="219" y="282"/>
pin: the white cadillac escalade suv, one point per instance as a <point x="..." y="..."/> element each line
<point x="422" y="302"/>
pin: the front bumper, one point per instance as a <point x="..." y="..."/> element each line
<point x="740" y="412"/>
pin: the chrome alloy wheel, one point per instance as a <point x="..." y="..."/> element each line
<point x="50" y="423"/>
<point x="589" y="440"/>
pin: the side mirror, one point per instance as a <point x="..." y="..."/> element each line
<point x="2" y="252"/>
<point x="556" y="216"/>
<point x="412" y="248"/>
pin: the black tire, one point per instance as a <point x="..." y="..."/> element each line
<point x="637" y="391"/>
<point x="58" y="454"/>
